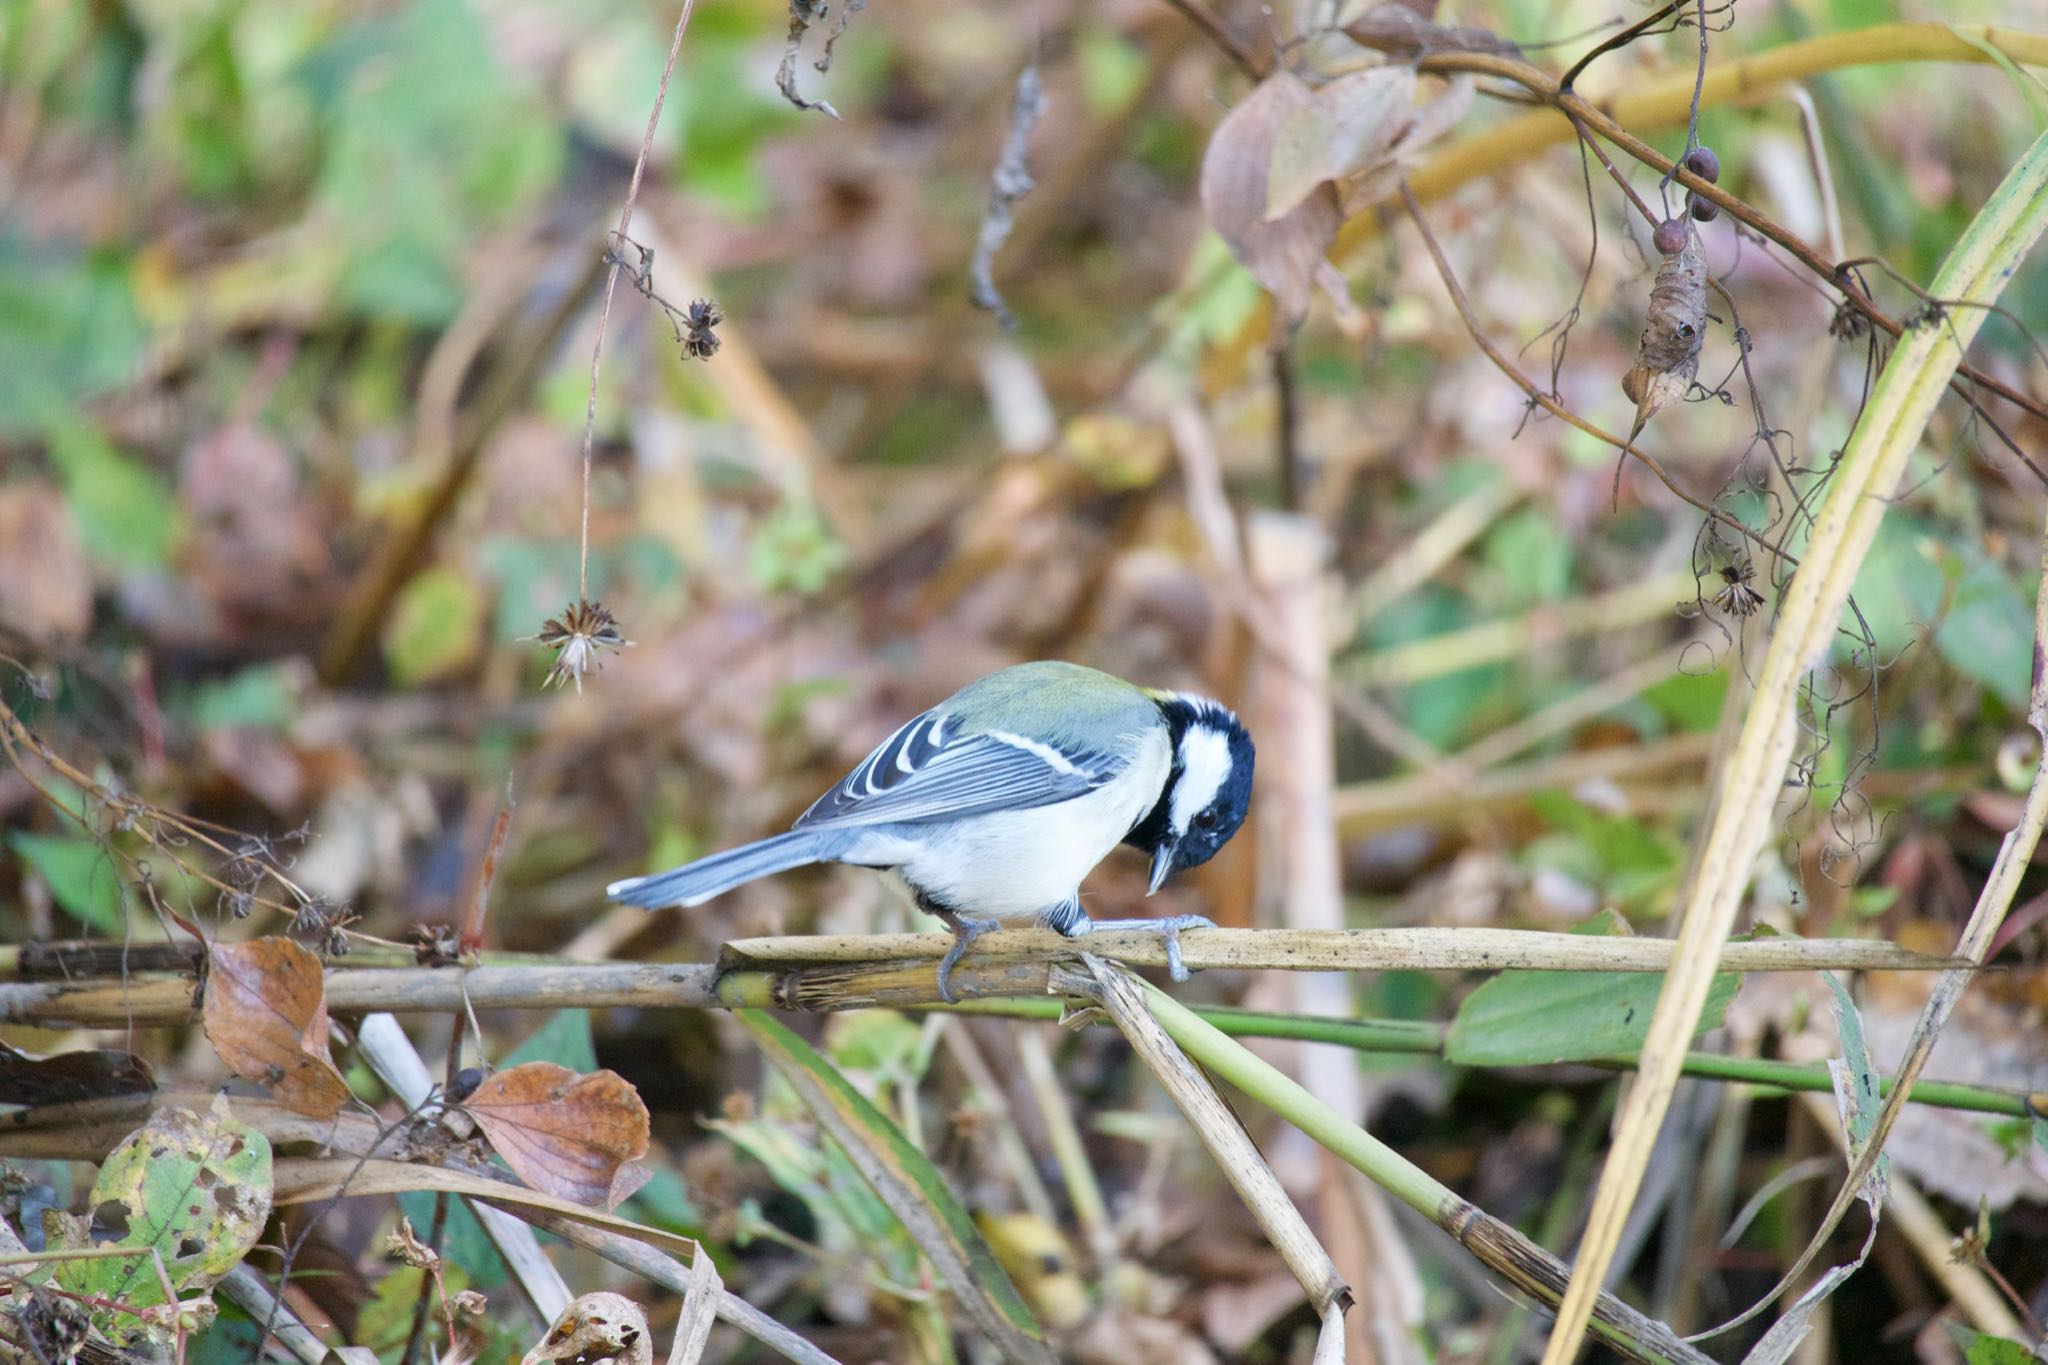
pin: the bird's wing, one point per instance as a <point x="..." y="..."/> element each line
<point x="924" y="773"/>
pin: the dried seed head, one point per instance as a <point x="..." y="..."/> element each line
<point x="404" y="1245"/>
<point x="1737" y="597"/>
<point x="1670" y="236"/>
<point x="703" y="313"/>
<point x="700" y="342"/>
<point x="579" y="635"/>
<point x="1702" y="162"/>
<point x="435" y="945"/>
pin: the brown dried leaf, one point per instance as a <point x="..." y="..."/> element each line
<point x="1433" y="118"/>
<point x="597" y="1327"/>
<point x="563" y="1133"/>
<point x="405" y="1245"/>
<point x="71" y="1076"/>
<point x="1401" y="32"/>
<point x="1347" y="126"/>
<point x="45" y="582"/>
<point x="266" y="1015"/>
<point x="1284" y="254"/>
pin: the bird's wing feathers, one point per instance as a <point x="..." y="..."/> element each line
<point x="928" y="771"/>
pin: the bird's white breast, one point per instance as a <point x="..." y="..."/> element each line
<point x="1017" y="863"/>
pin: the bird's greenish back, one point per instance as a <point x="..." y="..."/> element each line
<point x="1068" y="705"/>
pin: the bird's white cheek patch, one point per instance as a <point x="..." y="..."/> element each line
<point x="1204" y="764"/>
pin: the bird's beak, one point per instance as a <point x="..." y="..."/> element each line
<point x="1162" y="867"/>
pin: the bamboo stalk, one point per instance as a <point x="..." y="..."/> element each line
<point x="1859" y="492"/>
<point x="1123" y="998"/>
<point x="836" y="972"/>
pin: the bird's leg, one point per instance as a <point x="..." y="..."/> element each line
<point x="965" y="929"/>
<point x="1069" y="919"/>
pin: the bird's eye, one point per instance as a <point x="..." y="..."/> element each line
<point x="1206" y="820"/>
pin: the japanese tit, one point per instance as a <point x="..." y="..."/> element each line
<point x="995" y="803"/>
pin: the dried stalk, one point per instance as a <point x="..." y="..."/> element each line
<point x="1866" y="476"/>
<point x="834" y="972"/>
<point x="1114" y="990"/>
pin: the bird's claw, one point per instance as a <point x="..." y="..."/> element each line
<point x="1168" y="928"/>
<point x="965" y="931"/>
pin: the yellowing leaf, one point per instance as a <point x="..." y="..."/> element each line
<point x="194" y="1190"/>
<point x="436" y="626"/>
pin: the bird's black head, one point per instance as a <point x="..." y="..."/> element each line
<point x="1207" y="791"/>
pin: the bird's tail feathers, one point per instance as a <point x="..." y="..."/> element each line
<point x="695" y="883"/>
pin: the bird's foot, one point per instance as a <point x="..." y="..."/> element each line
<point x="1168" y="927"/>
<point x="965" y="931"/>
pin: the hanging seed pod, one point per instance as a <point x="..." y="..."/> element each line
<point x="1668" y="357"/>
<point x="1702" y="162"/>
<point x="1670" y="236"/>
<point x="1703" y="210"/>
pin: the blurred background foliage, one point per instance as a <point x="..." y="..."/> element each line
<point x="296" y="316"/>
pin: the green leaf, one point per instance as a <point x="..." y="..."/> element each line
<point x="1531" y="1018"/>
<point x="1858" y="1094"/>
<point x="194" y="1190"/>
<point x="1530" y="558"/>
<point x="436" y="626"/>
<point x="126" y="515"/>
<point x="564" y="1040"/>
<point x="1980" y="1349"/>
<point x="68" y="331"/>
<point x="909" y="1184"/>
<point x="262" y="697"/>
<point x="80" y="874"/>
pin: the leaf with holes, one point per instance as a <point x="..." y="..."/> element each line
<point x="266" y="1015"/>
<point x="569" y="1135"/>
<point x="600" y="1326"/>
<point x="196" y="1191"/>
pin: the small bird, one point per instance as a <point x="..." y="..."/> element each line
<point x="995" y="803"/>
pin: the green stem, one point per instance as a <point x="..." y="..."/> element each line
<point x="1417" y="1038"/>
<point x="1499" y="1246"/>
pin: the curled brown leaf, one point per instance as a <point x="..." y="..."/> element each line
<point x="1285" y="254"/>
<point x="565" y="1134"/>
<point x="266" y="1015"/>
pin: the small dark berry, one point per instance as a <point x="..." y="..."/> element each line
<point x="1670" y="236"/>
<point x="1702" y="162"/>
<point x="1703" y="210"/>
<point x="465" y="1083"/>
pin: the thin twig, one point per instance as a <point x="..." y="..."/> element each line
<point x="611" y="284"/>
<point x="1224" y="39"/>
<point x="1551" y="405"/>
